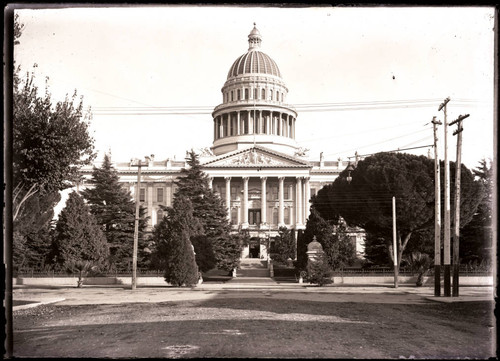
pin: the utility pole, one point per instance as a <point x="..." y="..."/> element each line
<point x="446" y="241"/>
<point x="394" y="242"/>
<point x="437" y="216"/>
<point x="136" y="163"/>
<point x="456" y="235"/>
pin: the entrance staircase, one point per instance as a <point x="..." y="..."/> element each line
<point x="252" y="268"/>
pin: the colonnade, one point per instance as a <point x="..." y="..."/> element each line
<point x="254" y="122"/>
<point x="300" y="200"/>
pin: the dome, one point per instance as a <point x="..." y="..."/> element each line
<point x="254" y="62"/>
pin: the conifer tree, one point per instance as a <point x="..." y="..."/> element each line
<point x="114" y="209"/>
<point x="78" y="237"/>
<point x="174" y="251"/>
<point x="211" y="213"/>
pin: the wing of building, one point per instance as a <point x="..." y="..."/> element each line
<point x="254" y="163"/>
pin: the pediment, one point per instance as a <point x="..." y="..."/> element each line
<point x="256" y="157"/>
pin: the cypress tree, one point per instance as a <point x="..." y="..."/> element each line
<point x="174" y="251"/>
<point x="78" y="237"/>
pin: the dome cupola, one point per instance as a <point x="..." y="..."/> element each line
<point x="254" y="109"/>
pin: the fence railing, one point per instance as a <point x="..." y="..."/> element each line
<point x="33" y="273"/>
<point x="378" y="271"/>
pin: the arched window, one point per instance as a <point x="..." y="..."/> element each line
<point x="246" y="94"/>
<point x="232" y="95"/>
<point x="282" y="97"/>
<point x="263" y="95"/>
<point x="255" y="93"/>
<point x="277" y="95"/>
<point x="239" y="94"/>
<point x="159" y="215"/>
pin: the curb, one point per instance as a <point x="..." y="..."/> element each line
<point x="35" y="304"/>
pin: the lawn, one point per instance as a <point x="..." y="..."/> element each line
<point x="257" y="328"/>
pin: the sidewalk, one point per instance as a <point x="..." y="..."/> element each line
<point x="248" y="288"/>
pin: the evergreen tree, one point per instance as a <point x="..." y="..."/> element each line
<point x="284" y="246"/>
<point x="366" y="201"/>
<point x="78" y="237"/>
<point x="114" y="210"/>
<point x="174" y="252"/>
<point x="227" y="251"/>
<point x="338" y="249"/>
<point x="476" y="237"/>
<point x="211" y="212"/>
<point x="205" y="258"/>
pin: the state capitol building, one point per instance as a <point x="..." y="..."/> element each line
<point x="254" y="163"/>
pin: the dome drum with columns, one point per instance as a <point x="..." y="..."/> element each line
<point x="254" y="164"/>
<point x="254" y="108"/>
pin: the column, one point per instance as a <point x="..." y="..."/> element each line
<point x="298" y="201"/>
<point x="281" y="194"/>
<point x="250" y="123"/>
<point x="245" y="202"/>
<point x="263" y="201"/>
<point x="261" y="125"/>
<point x="307" y="196"/>
<point x="238" y="125"/>
<point x="228" y="196"/>
<point x="210" y="181"/>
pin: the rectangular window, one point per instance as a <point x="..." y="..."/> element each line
<point x="234" y="192"/>
<point x="287" y="215"/>
<point x="255" y="93"/>
<point x="239" y="94"/>
<point x="246" y="94"/>
<point x="142" y="195"/>
<point x="286" y="191"/>
<point x="274" y="192"/>
<point x="159" y="195"/>
<point x="275" y="215"/>
<point x="263" y="94"/>
<point x="234" y="216"/>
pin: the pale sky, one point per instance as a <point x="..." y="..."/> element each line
<point x="373" y="76"/>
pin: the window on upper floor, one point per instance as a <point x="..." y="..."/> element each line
<point x="255" y="93"/>
<point x="142" y="195"/>
<point x="159" y="194"/>
<point x="238" y="94"/>
<point x="286" y="191"/>
<point x="232" y="95"/>
<point x="263" y="95"/>
<point x="246" y="94"/>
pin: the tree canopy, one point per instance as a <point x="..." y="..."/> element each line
<point x="77" y="236"/>
<point x="50" y="140"/>
<point x="367" y="200"/>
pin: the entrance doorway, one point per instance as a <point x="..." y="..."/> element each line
<point x="254" y="248"/>
<point x="254" y="217"/>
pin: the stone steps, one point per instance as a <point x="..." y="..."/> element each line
<point x="253" y="268"/>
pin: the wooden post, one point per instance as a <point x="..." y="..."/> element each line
<point x="437" y="216"/>
<point x="446" y="240"/>
<point x="456" y="235"/>
<point x="394" y="242"/>
<point x="136" y="226"/>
